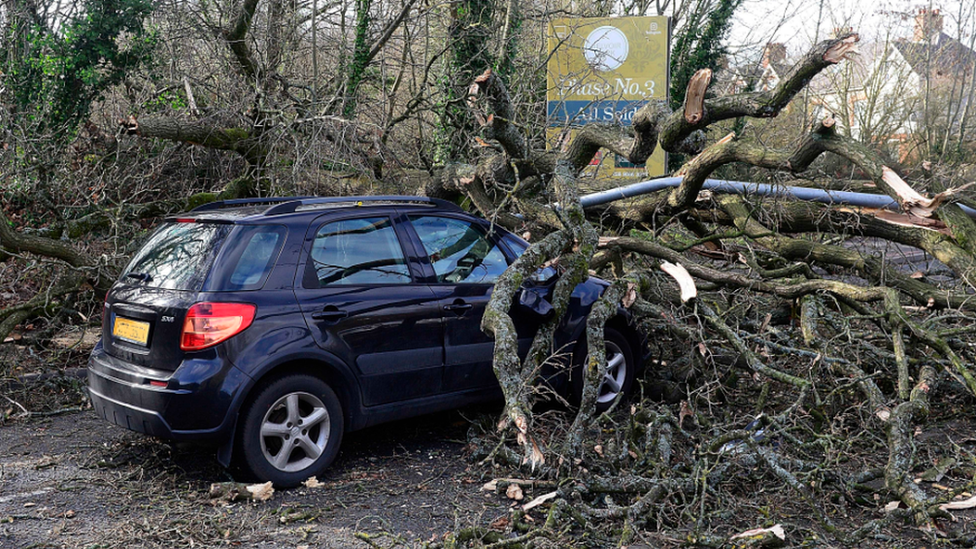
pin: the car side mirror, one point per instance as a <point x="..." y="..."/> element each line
<point x="532" y="300"/>
<point x="543" y="275"/>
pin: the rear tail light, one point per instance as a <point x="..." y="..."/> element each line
<point x="208" y="324"/>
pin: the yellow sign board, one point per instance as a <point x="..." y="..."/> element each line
<point x="602" y="70"/>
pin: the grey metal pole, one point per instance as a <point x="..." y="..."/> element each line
<point x="807" y="194"/>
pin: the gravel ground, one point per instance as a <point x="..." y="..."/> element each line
<point x="74" y="480"/>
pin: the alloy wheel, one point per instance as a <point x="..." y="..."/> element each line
<point x="295" y="431"/>
<point x="616" y="375"/>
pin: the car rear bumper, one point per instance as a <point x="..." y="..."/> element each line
<point x="192" y="403"/>
<point x="128" y="415"/>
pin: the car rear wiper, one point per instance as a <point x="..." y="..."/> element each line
<point x="143" y="277"/>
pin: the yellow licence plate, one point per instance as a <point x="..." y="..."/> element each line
<point x="131" y="330"/>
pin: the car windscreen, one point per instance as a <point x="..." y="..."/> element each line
<point x="177" y="256"/>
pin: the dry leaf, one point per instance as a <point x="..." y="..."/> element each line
<point x="490" y="486"/>
<point x="891" y="506"/>
<point x="884" y="414"/>
<point x="776" y="530"/>
<point x="312" y="482"/>
<point x="630" y="296"/>
<point x="685" y="412"/>
<point x="261" y="492"/>
<point x="598" y="449"/>
<point x="514" y="491"/>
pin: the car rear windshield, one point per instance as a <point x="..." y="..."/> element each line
<point x="177" y="256"/>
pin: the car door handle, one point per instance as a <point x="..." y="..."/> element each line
<point x="332" y="315"/>
<point x="459" y="307"/>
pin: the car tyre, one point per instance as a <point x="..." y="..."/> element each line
<point x="621" y="370"/>
<point x="291" y="430"/>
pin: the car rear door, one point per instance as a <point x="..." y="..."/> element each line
<point x="360" y="294"/>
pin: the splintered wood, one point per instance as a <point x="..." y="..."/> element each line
<point x="695" y="97"/>
<point x="842" y="50"/>
<point x="685" y="283"/>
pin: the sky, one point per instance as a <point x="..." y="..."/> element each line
<point x="800" y="23"/>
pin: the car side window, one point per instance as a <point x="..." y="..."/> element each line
<point x="356" y="251"/>
<point x="458" y="250"/>
<point x="257" y="258"/>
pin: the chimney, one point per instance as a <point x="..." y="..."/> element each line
<point x="928" y="25"/>
<point x="841" y="31"/>
<point x="774" y="53"/>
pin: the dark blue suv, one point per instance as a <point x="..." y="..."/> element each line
<point x="270" y="327"/>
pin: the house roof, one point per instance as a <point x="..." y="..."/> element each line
<point x="944" y="54"/>
<point x="737" y="79"/>
<point x="757" y="76"/>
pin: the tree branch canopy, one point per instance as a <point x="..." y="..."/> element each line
<point x="758" y="104"/>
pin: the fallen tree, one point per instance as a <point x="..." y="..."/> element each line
<point x="766" y="252"/>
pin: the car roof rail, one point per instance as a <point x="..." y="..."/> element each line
<point x="233" y="203"/>
<point x="294" y="204"/>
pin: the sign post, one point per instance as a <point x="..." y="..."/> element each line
<point x="602" y="70"/>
